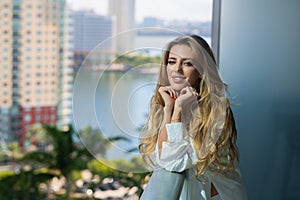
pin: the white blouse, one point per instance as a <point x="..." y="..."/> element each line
<point x="178" y="155"/>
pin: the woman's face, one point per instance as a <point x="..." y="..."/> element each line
<point x="180" y="67"/>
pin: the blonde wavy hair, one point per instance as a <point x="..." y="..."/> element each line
<point x="211" y="125"/>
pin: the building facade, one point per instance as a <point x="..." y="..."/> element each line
<point x="36" y="73"/>
<point x="124" y="12"/>
<point x="93" y="32"/>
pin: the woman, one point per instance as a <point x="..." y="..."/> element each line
<point x="189" y="140"/>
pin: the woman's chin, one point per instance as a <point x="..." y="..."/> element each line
<point x="178" y="87"/>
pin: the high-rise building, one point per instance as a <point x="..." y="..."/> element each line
<point x="36" y="73"/>
<point x="124" y="11"/>
<point x="92" y="32"/>
<point x="91" y="29"/>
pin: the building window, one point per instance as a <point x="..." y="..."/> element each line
<point x="38" y="117"/>
<point x="38" y="91"/>
<point x="27" y="118"/>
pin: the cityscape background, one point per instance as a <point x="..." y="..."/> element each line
<point x="28" y="36"/>
<point x="41" y="83"/>
<point x="83" y="66"/>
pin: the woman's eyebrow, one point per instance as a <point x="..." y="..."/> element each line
<point x="174" y="58"/>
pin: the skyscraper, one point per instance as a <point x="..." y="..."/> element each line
<point x="93" y="31"/>
<point x="90" y="29"/>
<point x="124" y="11"/>
<point x="36" y="73"/>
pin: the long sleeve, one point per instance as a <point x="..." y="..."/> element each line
<point x="229" y="188"/>
<point x="177" y="153"/>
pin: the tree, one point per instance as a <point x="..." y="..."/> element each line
<point x="128" y="177"/>
<point x="67" y="155"/>
<point x="24" y="185"/>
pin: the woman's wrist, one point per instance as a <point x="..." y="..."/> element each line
<point x="176" y="116"/>
<point x="175" y="120"/>
<point x="167" y="114"/>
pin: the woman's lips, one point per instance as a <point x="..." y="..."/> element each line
<point x="178" y="79"/>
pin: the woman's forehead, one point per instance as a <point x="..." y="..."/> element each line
<point x="182" y="51"/>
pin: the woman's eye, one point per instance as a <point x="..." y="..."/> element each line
<point x="188" y="64"/>
<point x="171" y="62"/>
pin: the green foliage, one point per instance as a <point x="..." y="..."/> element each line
<point x="24" y="185"/>
<point x="127" y="177"/>
<point x="137" y="60"/>
<point x="4" y="174"/>
<point x="66" y="157"/>
<point x="96" y="142"/>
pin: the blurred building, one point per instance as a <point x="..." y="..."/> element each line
<point x="124" y="11"/>
<point x="92" y="32"/>
<point x="36" y="74"/>
<point x="152" y="22"/>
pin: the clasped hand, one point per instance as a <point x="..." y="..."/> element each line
<point x="176" y="101"/>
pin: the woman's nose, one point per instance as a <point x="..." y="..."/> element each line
<point x="178" y="67"/>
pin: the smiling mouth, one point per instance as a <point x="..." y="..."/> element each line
<point x="178" y="79"/>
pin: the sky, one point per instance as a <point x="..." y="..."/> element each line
<point x="200" y="10"/>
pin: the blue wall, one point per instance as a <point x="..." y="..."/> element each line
<point x="260" y="60"/>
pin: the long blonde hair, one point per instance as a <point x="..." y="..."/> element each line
<point x="211" y="125"/>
